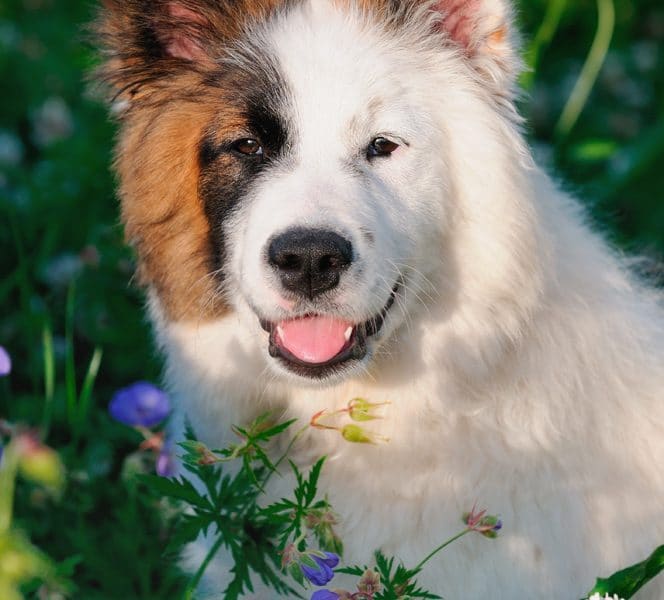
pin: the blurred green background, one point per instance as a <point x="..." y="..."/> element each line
<point x="60" y="238"/>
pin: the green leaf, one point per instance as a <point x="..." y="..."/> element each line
<point x="355" y="571"/>
<point x="627" y="582"/>
<point x="277" y="508"/>
<point x="188" y="530"/>
<point x="276" y="430"/>
<point x="312" y="482"/>
<point x="180" y="489"/>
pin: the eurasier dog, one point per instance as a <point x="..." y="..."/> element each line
<point x="333" y="199"/>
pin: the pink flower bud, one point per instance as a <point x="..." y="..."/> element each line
<point x="480" y="522"/>
<point x="369" y="582"/>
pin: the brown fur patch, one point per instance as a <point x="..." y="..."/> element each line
<point x="163" y="217"/>
<point x="137" y="37"/>
<point x="170" y="103"/>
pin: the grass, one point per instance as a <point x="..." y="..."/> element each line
<point x="72" y="317"/>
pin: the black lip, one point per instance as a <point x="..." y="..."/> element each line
<point x="354" y="350"/>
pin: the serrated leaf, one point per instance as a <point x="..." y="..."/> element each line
<point x="296" y="471"/>
<point x="188" y="530"/>
<point x="239" y="431"/>
<point x="277" y="508"/>
<point x="180" y="489"/>
<point x="627" y="582"/>
<point x="191" y="445"/>
<point x="189" y="432"/>
<point x="260" y="420"/>
<point x="274" y="431"/>
<point x="356" y="571"/>
<point x="312" y="482"/>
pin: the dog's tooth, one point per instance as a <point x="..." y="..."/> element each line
<point x="280" y="333"/>
<point x="348" y="333"/>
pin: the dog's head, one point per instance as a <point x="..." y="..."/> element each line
<point x="321" y="167"/>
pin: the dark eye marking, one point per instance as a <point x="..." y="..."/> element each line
<point x="381" y="146"/>
<point x="248" y="147"/>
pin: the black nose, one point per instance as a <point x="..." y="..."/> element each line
<point x="310" y="261"/>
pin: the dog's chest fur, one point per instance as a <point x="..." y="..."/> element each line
<point x="567" y="460"/>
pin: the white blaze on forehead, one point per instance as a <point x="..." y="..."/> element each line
<point x="341" y="73"/>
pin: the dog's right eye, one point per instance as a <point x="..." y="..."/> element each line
<point x="381" y="147"/>
<point x="248" y="147"/>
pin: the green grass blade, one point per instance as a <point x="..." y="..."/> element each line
<point x="70" y="361"/>
<point x="88" y="385"/>
<point x="49" y="378"/>
<point x="545" y="34"/>
<point x="586" y="81"/>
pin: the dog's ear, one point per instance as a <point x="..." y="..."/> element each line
<point x="183" y="31"/>
<point x="145" y="42"/>
<point x="483" y="30"/>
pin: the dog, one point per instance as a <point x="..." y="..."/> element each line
<point x="333" y="199"/>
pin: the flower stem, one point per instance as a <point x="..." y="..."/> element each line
<point x="193" y="584"/>
<point x="8" y="469"/>
<point x="49" y="378"/>
<point x="281" y="459"/>
<point x="542" y="39"/>
<point x="590" y="71"/>
<point x="441" y="547"/>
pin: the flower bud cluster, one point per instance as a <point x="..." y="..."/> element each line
<point x="480" y="522"/>
<point x="322" y="522"/>
<point x="358" y="410"/>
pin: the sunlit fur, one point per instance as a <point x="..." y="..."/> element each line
<point x="523" y="362"/>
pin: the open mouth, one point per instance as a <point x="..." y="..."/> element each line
<point x="317" y="345"/>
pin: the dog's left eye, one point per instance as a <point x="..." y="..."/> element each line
<point x="248" y="147"/>
<point x="381" y="147"/>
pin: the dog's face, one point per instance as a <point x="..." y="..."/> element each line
<point x="332" y="215"/>
<point x="290" y="161"/>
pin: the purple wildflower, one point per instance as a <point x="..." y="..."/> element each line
<point x="141" y="404"/>
<point x="331" y="559"/>
<point x="324" y="595"/>
<point x="323" y="573"/>
<point x="5" y="362"/>
<point x="320" y="575"/>
<point x="166" y="464"/>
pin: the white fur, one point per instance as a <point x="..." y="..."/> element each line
<point x="524" y="364"/>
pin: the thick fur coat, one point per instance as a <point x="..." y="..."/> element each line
<point x="522" y="361"/>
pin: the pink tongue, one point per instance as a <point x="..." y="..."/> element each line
<point x="313" y="340"/>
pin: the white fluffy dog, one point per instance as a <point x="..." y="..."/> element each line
<point x="332" y="199"/>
